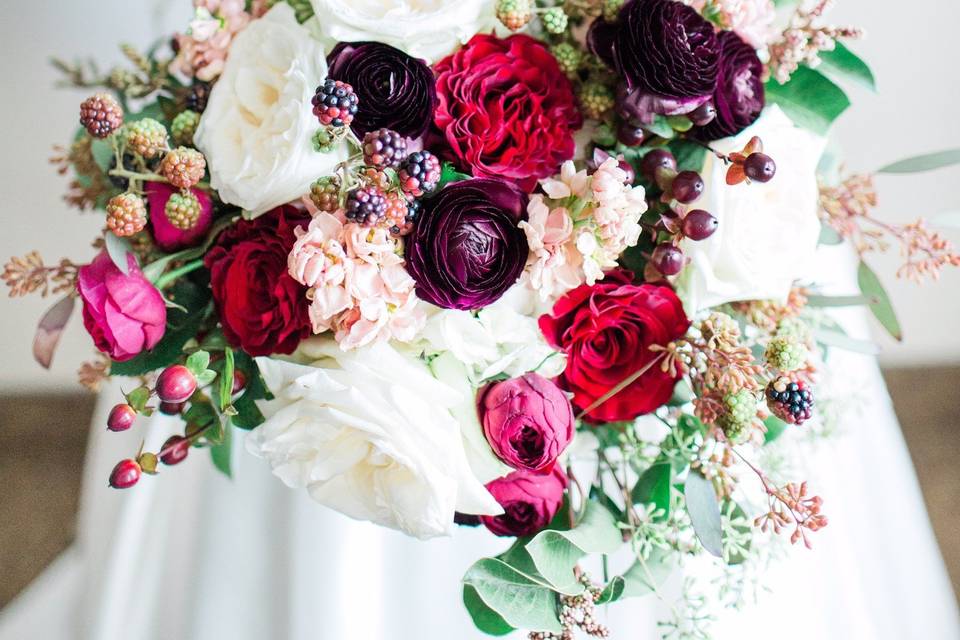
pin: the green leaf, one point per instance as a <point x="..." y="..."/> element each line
<point x="680" y="123"/>
<point x="810" y="99"/>
<point x="704" y="510"/>
<point x="775" y="428"/>
<point x="829" y="237"/>
<point x="690" y="156"/>
<point x="840" y="340"/>
<point x="554" y="552"/>
<point x="248" y="414"/>
<point x="155" y="269"/>
<point x="521" y="602"/>
<point x="198" y="362"/>
<point x="200" y="414"/>
<point x="882" y="309"/>
<point x="484" y="618"/>
<point x="118" y="249"/>
<point x="138" y="398"/>
<point x="653" y="486"/>
<point x="643" y="577"/>
<point x="226" y="379"/>
<point x="660" y="127"/>
<point x="220" y="453"/>
<point x="843" y="64"/>
<point x="926" y="162"/>
<point x="206" y="377"/>
<point x="449" y="174"/>
<point x="840" y="301"/>
<point x="102" y="152"/>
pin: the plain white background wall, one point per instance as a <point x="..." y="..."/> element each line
<point x="910" y="47"/>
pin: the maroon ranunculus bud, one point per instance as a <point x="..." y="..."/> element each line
<point x="125" y="474"/>
<point x="529" y="501"/>
<point x="176" y="384"/>
<point x="528" y="421"/>
<point x="121" y="417"/>
<point x="395" y="90"/>
<point x="466" y="249"/>
<point x="739" y="97"/>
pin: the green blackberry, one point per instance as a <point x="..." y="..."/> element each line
<point x="366" y="206"/>
<point x="384" y="148"/>
<point x="790" y="401"/>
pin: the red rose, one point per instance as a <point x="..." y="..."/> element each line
<point x="262" y="309"/>
<point x="505" y="109"/>
<point x="606" y="332"/>
<point x="529" y="501"/>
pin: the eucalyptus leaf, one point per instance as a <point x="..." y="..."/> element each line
<point x="704" y="510"/>
<point x="882" y="308"/>
<point x="925" y="162"/>
<point x="50" y="329"/>
<point x="840" y="301"/>
<point x="643" y="577"/>
<point x="484" y="618"/>
<point x="518" y="600"/>
<point x="843" y="64"/>
<point x="653" y="487"/>
<point x="810" y="99"/>
<point x="118" y="249"/>
<point x="840" y="340"/>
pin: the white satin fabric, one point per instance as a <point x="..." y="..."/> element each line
<point x="193" y="555"/>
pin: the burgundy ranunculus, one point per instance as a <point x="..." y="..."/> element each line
<point x="528" y="421"/>
<point x="396" y="91"/>
<point x="606" y="331"/>
<point x="262" y="309"/>
<point x="529" y="501"/>
<point x="666" y="53"/>
<point x="739" y="97"/>
<point x="466" y="249"/>
<point x="506" y="109"/>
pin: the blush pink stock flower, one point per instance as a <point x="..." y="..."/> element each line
<point x="752" y="20"/>
<point x="123" y="313"/>
<point x="202" y="51"/>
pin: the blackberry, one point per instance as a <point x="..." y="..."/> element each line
<point x="568" y="57"/>
<point x="183" y="127"/>
<point x="335" y="103"/>
<point x="196" y="100"/>
<point x="384" y="148"/>
<point x="595" y="100"/>
<point x="790" y="401"/>
<point x="101" y="115"/>
<point x="366" y="206"/>
<point x="405" y="226"/>
<point x="183" y="167"/>
<point x="419" y="173"/>
<point x="514" y="14"/>
<point x="126" y="214"/>
<point x="325" y="193"/>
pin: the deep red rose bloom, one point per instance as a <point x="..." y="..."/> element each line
<point x="262" y="309"/>
<point x="606" y="332"/>
<point x="505" y="109"/>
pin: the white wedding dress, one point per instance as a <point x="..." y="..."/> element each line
<point x="192" y="555"/>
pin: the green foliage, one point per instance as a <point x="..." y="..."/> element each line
<point x="226" y="379"/>
<point x="448" y="174"/>
<point x="926" y="162"/>
<point x="775" y="428"/>
<point x="220" y="452"/>
<point x="690" y="155"/>
<point x="519" y="600"/>
<point x="843" y="64"/>
<point x="138" y="399"/>
<point x="644" y="576"/>
<point x="653" y="487"/>
<point x="810" y="99"/>
<point x="248" y="416"/>
<point x="881" y="306"/>
<point x="704" y="511"/>
<point x="484" y="618"/>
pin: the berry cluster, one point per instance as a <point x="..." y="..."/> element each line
<point x="790" y="401"/>
<point x="335" y="103"/>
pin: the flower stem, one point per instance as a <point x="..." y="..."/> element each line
<point x="168" y="278"/>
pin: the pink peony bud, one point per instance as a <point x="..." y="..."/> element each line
<point x="529" y="501"/>
<point x="176" y="384"/>
<point x="121" y="417"/>
<point x="125" y="474"/>
<point x="528" y="421"/>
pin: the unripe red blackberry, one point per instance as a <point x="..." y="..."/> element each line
<point x="396" y="216"/>
<point x="335" y="103"/>
<point x="183" y="210"/>
<point x="687" y="186"/>
<point x="325" y="193"/>
<point x="654" y="160"/>
<point x="384" y="148"/>
<point x="183" y="167"/>
<point x="126" y="214"/>
<point x="184" y="126"/>
<point x="125" y="474"/>
<point x="514" y="14"/>
<point x="699" y="224"/>
<point x="176" y="384"/>
<point x="790" y="401"/>
<point x="760" y="167"/>
<point x="174" y="450"/>
<point x="101" y="115"/>
<point x="121" y="417"/>
<point x="146" y="137"/>
<point x="366" y="206"/>
<point x="667" y="259"/>
<point x="419" y="173"/>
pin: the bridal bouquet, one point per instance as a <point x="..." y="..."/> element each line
<point x="531" y="266"/>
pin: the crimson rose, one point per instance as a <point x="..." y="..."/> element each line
<point x="262" y="309"/>
<point x="606" y="331"/>
<point x="529" y="501"/>
<point x="505" y="109"/>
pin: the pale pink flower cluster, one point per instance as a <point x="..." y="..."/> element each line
<point x="752" y="20"/>
<point x="580" y="227"/>
<point x="202" y="51"/>
<point x="359" y="288"/>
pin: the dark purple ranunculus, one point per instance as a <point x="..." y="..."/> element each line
<point x="396" y="91"/>
<point x="739" y="96"/>
<point x="666" y="53"/>
<point x="466" y="249"/>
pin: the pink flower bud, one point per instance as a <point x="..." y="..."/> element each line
<point x="529" y="500"/>
<point x="121" y="417"/>
<point x="176" y="384"/>
<point x="125" y="474"/>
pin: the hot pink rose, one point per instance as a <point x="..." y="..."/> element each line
<point x="124" y="314"/>
<point x="529" y="501"/>
<point x="528" y="421"/>
<point x="168" y="237"/>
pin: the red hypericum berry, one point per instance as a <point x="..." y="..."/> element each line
<point x="687" y="186"/>
<point x="630" y="135"/>
<point x="760" y="167"/>
<point x="171" y="408"/>
<point x="121" y="417"/>
<point x="657" y="159"/>
<point x="703" y="115"/>
<point x="667" y="259"/>
<point x="125" y="474"/>
<point x="627" y="168"/>
<point x="174" y="450"/>
<point x="176" y="384"/>
<point x="239" y="381"/>
<point x="699" y="224"/>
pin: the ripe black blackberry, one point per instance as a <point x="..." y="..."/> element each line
<point x="366" y="206"/>
<point x="790" y="401"/>
<point x="419" y="173"/>
<point x="196" y="99"/>
<point x="384" y="148"/>
<point x="335" y="103"/>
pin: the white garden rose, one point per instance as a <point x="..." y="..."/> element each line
<point x="256" y="130"/>
<point x="427" y="29"/>
<point x="369" y="433"/>
<point x="767" y="234"/>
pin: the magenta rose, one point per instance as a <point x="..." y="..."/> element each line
<point x="168" y="237"/>
<point x="123" y="313"/>
<point x="529" y="501"/>
<point x="528" y="421"/>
